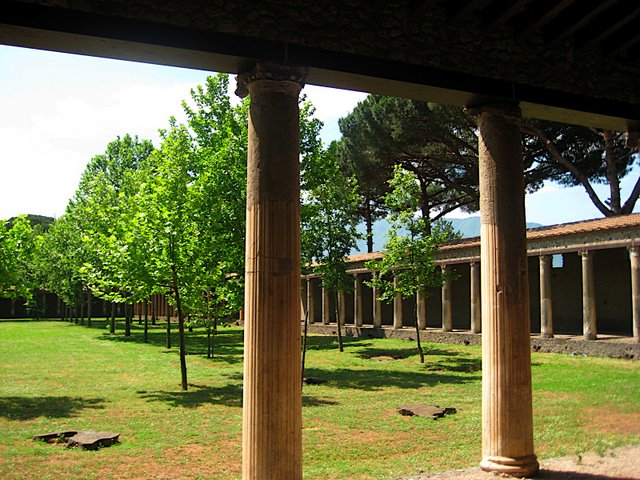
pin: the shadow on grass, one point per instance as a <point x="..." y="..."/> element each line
<point x="557" y="475"/>
<point x="374" y="379"/>
<point x="27" y="408"/>
<point x="230" y="395"/>
<point x="197" y="395"/>
<point x="316" y="342"/>
<point x="227" y="344"/>
<point x="456" y="364"/>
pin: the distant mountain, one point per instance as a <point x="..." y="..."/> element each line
<point x="468" y="227"/>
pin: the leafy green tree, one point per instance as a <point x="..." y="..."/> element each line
<point x="408" y="265"/>
<point x="329" y="220"/>
<point x="575" y="155"/>
<point x="18" y="246"/>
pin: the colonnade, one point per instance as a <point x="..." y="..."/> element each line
<point x="399" y="320"/>
<point x="272" y="408"/>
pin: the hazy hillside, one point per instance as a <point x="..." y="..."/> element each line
<point x="468" y="227"/>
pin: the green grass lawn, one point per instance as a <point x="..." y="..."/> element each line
<point x="57" y="376"/>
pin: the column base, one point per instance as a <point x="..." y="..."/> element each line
<point x="517" y="467"/>
<point x="546" y="335"/>
<point x="590" y="336"/>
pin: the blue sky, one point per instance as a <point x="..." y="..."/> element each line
<point x="59" y="110"/>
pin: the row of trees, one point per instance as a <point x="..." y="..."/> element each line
<point x="170" y="220"/>
<point x="439" y="146"/>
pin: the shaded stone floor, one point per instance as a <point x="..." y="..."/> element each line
<point x="605" y="346"/>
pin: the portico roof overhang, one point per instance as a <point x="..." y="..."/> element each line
<point x="556" y="82"/>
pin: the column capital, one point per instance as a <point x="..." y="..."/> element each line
<point x="286" y="79"/>
<point x="634" y="251"/>
<point x="585" y="253"/>
<point x="509" y="110"/>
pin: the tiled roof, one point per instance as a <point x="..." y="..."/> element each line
<point x="565" y="229"/>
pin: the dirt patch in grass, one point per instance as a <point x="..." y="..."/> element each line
<point x="610" y="420"/>
<point x="615" y="464"/>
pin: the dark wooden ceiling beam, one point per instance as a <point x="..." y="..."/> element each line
<point x="626" y="45"/>
<point x="497" y="19"/>
<point x="573" y="25"/>
<point x="609" y="27"/>
<point x="465" y="8"/>
<point x="544" y="17"/>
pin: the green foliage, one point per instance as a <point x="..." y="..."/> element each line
<point x="408" y="265"/>
<point x="329" y="220"/>
<point x="19" y="244"/>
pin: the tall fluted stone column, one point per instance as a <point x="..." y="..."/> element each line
<point x="447" y="305"/>
<point x="398" y="318"/>
<point x="272" y="400"/>
<point x="546" y="304"/>
<point x="507" y="412"/>
<point x="357" y="300"/>
<point x="311" y="304"/>
<point x="589" y="329"/>
<point x="377" y="309"/>
<point x="342" y="308"/>
<point x="476" y="304"/>
<point x="634" y="257"/>
<point x="421" y="310"/>
<point x="326" y="307"/>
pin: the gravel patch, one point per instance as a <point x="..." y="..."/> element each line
<point x="621" y="464"/>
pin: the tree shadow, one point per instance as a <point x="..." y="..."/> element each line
<point x="328" y="342"/>
<point x="372" y="379"/>
<point x="27" y="408"/>
<point x="456" y="364"/>
<point x="309" y="401"/>
<point x="230" y="395"/>
<point x="197" y="395"/>
<point x="559" y="475"/>
<point x="228" y="344"/>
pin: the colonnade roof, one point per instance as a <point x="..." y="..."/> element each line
<point x="597" y="234"/>
<point x="568" y="60"/>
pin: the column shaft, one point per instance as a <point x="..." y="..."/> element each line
<point x="634" y="257"/>
<point x="377" y="309"/>
<point x="546" y="304"/>
<point x="272" y="403"/>
<point x="357" y="300"/>
<point x="507" y="412"/>
<point x="421" y="310"/>
<point x="589" y="328"/>
<point x="398" y="319"/>
<point x="342" y="308"/>
<point x="311" y="305"/>
<point x="447" y="305"/>
<point x="326" y="307"/>
<point x="476" y="304"/>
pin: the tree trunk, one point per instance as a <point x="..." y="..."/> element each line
<point x="127" y="320"/>
<point x="89" y="307"/>
<point x="189" y="322"/>
<point x="153" y="311"/>
<point x="146" y="329"/>
<point x="612" y="173"/>
<point x="418" y="344"/>
<point x="112" y="325"/>
<point x="340" y="345"/>
<point x="208" y="340"/>
<point x="305" y="333"/>
<point x="168" y="343"/>
<point x="81" y="312"/>
<point x="369" y="222"/>
<point x="183" y="355"/>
